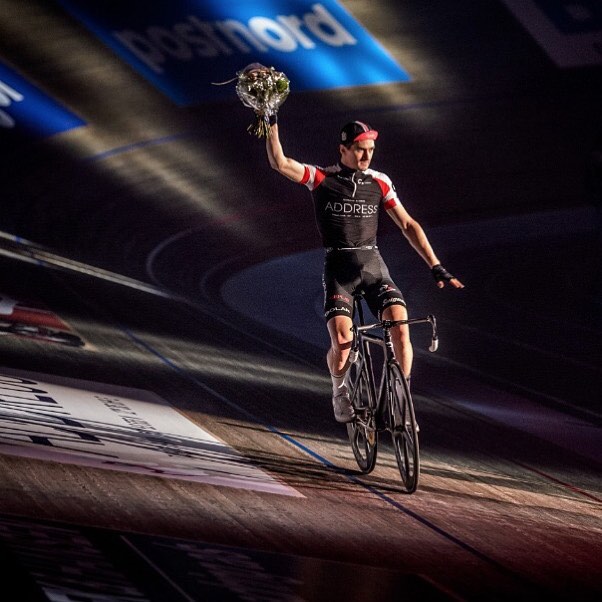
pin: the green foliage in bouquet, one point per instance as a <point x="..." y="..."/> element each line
<point x="263" y="89"/>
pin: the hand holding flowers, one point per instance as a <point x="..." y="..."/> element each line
<point x="263" y="89"/>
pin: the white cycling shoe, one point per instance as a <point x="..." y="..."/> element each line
<point x="343" y="409"/>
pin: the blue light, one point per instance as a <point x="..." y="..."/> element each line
<point x="29" y="112"/>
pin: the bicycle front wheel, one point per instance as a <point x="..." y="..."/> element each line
<point x="404" y="429"/>
<point x="362" y="430"/>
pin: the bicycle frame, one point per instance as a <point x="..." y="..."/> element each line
<point x="388" y="407"/>
<point x="386" y="345"/>
<point x="362" y="337"/>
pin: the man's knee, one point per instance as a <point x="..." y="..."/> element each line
<point x="401" y="335"/>
<point x="341" y="335"/>
<point x="342" y="340"/>
<point x="401" y="332"/>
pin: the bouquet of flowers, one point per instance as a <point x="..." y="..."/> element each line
<point x="263" y="89"/>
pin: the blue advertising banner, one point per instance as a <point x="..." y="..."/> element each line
<point x="182" y="46"/>
<point x="26" y="112"/>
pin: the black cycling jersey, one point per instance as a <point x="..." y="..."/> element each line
<point x="347" y="203"/>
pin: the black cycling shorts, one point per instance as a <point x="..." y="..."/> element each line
<point x="350" y="272"/>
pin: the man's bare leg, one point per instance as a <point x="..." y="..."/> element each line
<point x="337" y="357"/>
<point x="402" y="345"/>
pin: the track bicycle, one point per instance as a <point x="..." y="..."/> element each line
<point x="388" y="406"/>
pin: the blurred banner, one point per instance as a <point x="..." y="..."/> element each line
<point x="101" y="425"/>
<point x="570" y="31"/>
<point x="183" y="46"/>
<point x="26" y="112"/>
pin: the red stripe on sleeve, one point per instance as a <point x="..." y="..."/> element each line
<point x="384" y="187"/>
<point x="305" y="178"/>
<point x="320" y="175"/>
<point x="391" y="203"/>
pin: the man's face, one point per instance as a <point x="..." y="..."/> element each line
<point x="358" y="155"/>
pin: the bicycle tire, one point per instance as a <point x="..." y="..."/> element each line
<point x="362" y="430"/>
<point x="404" y="429"/>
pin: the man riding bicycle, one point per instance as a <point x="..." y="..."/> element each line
<point x="347" y="198"/>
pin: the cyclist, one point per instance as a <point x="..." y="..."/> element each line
<point x="347" y="199"/>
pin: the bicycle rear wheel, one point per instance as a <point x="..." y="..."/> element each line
<point x="362" y="430"/>
<point x="404" y="429"/>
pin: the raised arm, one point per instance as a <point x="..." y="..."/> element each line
<point x="290" y="168"/>
<point x="416" y="236"/>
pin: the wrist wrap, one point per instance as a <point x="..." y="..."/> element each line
<point x="440" y="274"/>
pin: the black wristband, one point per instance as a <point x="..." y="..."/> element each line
<point x="440" y="274"/>
<point x="273" y="118"/>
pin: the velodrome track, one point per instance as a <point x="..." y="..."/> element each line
<point x="187" y="450"/>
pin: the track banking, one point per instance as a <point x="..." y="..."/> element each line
<point x="192" y="38"/>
